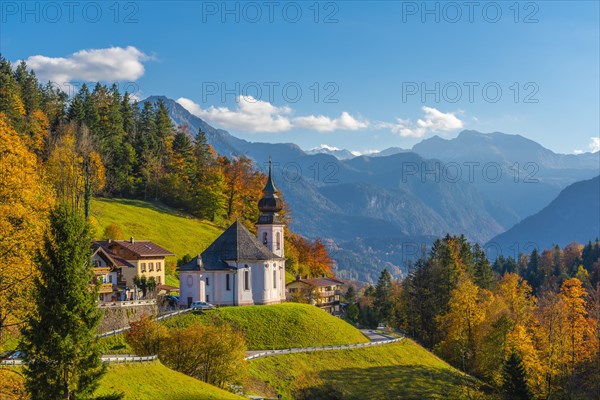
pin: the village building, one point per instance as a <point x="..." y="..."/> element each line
<point x="118" y="262"/>
<point x="322" y="292"/>
<point x="239" y="268"/>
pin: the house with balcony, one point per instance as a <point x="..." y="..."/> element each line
<point x="322" y="292"/>
<point x="126" y="259"/>
<point x="107" y="272"/>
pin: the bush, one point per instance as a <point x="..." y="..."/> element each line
<point x="113" y="231"/>
<point x="213" y="354"/>
<point x="145" y="336"/>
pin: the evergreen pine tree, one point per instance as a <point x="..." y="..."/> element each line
<point x="383" y="297"/>
<point x="483" y="273"/>
<point x="534" y="274"/>
<point x="59" y="339"/>
<point x="514" y="378"/>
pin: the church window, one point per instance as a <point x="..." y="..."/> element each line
<point x="207" y="281"/>
<point x="265" y="237"/>
<point x="274" y="279"/>
<point x="277" y="241"/>
<point x="246" y="280"/>
<point x="227" y="284"/>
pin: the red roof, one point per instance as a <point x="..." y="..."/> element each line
<point x="319" y="282"/>
<point x="141" y="248"/>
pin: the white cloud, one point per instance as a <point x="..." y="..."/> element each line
<point x="593" y="146"/>
<point x="326" y="147"/>
<point x="251" y="115"/>
<point x="110" y="64"/>
<point x="254" y="115"/>
<point x="321" y="123"/>
<point x="433" y="121"/>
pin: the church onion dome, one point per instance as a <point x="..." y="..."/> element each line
<point x="270" y="203"/>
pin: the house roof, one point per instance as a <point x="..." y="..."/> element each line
<point x="141" y="248"/>
<point x="235" y="244"/>
<point x="319" y="282"/>
<point x="110" y="256"/>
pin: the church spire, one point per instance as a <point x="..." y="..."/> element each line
<point x="270" y="204"/>
<point x="270" y="186"/>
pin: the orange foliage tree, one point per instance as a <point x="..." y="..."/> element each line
<point x="26" y="200"/>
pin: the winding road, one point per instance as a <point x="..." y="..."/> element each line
<point x="375" y="339"/>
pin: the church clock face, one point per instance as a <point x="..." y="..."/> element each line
<point x="190" y="281"/>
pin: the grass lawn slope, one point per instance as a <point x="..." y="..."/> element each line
<point x="402" y="370"/>
<point x="279" y="326"/>
<point x="141" y="381"/>
<point x="177" y="232"/>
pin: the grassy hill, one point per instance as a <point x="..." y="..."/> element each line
<point x="279" y="326"/>
<point x="399" y="371"/>
<point x="177" y="232"/>
<point x="147" y="381"/>
<point x="155" y="381"/>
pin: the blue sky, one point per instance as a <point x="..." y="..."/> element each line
<point x="371" y="74"/>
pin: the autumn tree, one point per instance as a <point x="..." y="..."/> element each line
<point x="460" y="324"/>
<point x="579" y="331"/>
<point x="75" y="168"/>
<point x="243" y="188"/>
<point x="213" y="354"/>
<point x="146" y="336"/>
<point x="26" y="200"/>
<point x="113" y="231"/>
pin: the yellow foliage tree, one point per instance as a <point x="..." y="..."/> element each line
<point x="579" y="329"/>
<point x="516" y="294"/>
<point x="24" y="204"/>
<point x="38" y="129"/>
<point x="75" y="168"/>
<point x="466" y="313"/>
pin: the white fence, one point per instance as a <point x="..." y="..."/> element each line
<point x="127" y="358"/>
<point x="117" y="358"/>
<point x="309" y="349"/>
<point x="128" y="303"/>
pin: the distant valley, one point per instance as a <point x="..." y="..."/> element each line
<point x="375" y="210"/>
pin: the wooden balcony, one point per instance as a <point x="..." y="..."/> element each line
<point x="101" y="270"/>
<point x="106" y="288"/>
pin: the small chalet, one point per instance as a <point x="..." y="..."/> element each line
<point x="117" y="262"/>
<point x="239" y="268"/>
<point x="322" y="292"/>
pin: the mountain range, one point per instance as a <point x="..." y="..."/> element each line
<point x="573" y="216"/>
<point x="375" y="211"/>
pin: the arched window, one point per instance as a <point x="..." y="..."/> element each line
<point x="274" y="279"/>
<point x="277" y="241"/>
<point x="265" y="237"/>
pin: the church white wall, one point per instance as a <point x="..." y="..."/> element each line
<point x="191" y="285"/>
<point x="261" y="291"/>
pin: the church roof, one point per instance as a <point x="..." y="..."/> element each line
<point x="235" y="244"/>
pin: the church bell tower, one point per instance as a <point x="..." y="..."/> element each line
<point x="270" y="224"/>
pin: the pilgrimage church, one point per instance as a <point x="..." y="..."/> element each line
<point x="239" y="268"/>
